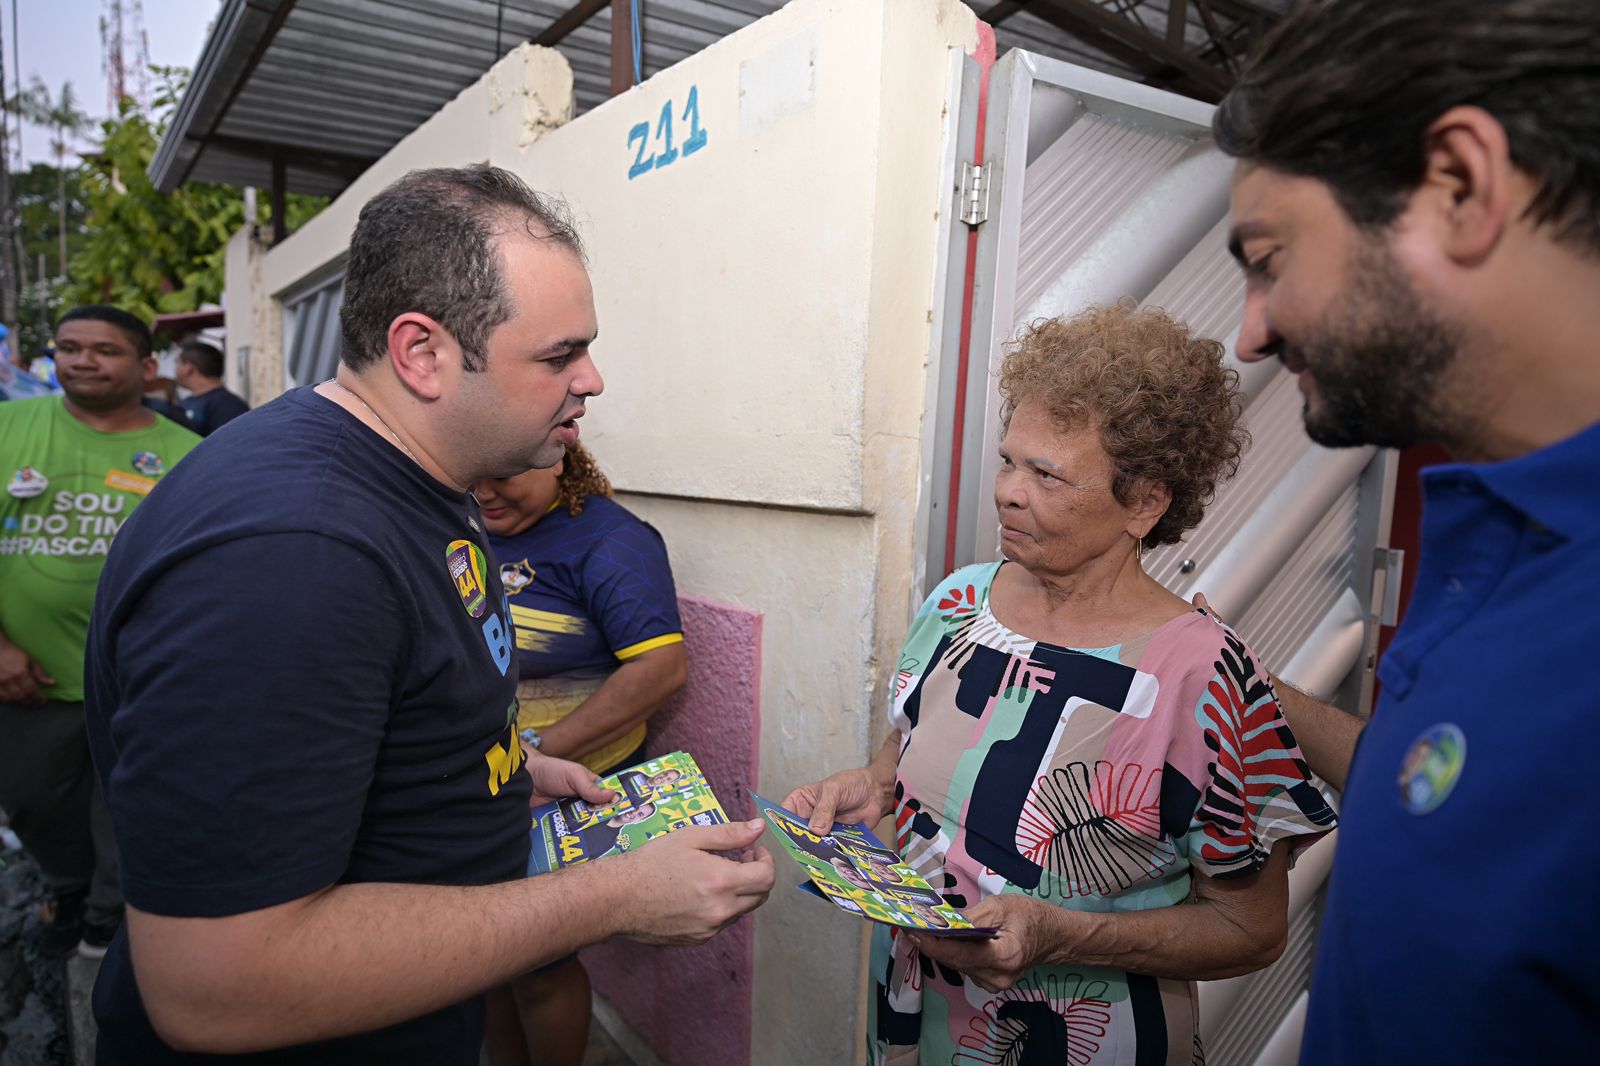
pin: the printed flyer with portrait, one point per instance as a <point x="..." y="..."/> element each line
<point x="856" y="872"/>
<point x="653" y="798"/>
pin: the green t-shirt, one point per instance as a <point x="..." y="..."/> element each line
<point x="69" y="488"/>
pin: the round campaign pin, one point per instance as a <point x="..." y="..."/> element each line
<point x="148" y="464"/>
<point x="1432" y="767"/>
<point x="27" y="483"/>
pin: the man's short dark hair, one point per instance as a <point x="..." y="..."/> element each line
<point x="138" y="333"/>
<point x="428" y="243"/>
<point x="1343" y="91"/>
<point x="205" y="358"/>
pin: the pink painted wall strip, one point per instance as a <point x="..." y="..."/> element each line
<point x="693" y="1005"/>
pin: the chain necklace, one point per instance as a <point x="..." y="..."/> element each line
<point x="471" y="521"/>
<point x="357" y="398"/>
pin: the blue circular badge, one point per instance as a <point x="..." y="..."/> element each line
<point x="1432" y="767"/>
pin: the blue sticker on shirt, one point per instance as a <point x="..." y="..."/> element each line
<point x="1431" y="768"/>
<point x="149" y="464"/>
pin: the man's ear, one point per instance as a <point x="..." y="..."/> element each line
<point x="1470" y="192"/>
<point x="422" y="353"/>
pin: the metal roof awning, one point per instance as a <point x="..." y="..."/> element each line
<point x="318" y="90"/>
<point x="180" y="322"/>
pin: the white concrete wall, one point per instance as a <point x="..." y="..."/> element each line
<point x="241" y="296"/>
<point x="765" y="310"/>
<point x="766" y="332"/>
<point x="525" y="95"/>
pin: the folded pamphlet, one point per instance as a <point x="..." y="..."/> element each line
<point x="653" y="798"/>
<point x="856" y="872"/>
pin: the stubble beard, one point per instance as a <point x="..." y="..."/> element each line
<point x="116" y="399"/>
<point x="1380" y="360"/>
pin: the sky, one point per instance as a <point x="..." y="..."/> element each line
<point x="59" y="40"/>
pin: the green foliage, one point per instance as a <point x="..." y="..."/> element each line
<point x="61" y="116"/>
<point x="148" y="251"/>
<point x="35" y="216"/>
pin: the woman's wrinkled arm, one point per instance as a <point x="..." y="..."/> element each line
<point x="1226" y="928"/>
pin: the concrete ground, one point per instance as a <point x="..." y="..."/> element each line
<point x="604" y="1049"/>
<point x="80" y="982"/>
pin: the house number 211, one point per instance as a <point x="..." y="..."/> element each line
<point x="666" y="152"/>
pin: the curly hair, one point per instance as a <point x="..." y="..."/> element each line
<point x="580" y="477"/>
<point x="1167" y="409"/>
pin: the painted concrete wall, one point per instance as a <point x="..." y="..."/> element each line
<point x="765" y="327"/>
<point x="497" y="118"/>
<point x="717" y="716"/>
<point x="766" y="307"/>
<point x="246" y="320"/>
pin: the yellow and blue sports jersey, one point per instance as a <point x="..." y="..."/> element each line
<point x="587" y="592"/>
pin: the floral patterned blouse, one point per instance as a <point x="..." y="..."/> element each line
<point x="1097" y="779"/>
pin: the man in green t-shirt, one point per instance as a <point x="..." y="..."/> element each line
<point x="75" y="466"/>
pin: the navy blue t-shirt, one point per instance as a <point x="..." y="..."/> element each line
<point x="300" y="674"/>
<point x="587" y="590"/>
<point x="212" y="410"/>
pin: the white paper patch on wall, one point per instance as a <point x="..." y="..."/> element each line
<point x="777" y="83"/>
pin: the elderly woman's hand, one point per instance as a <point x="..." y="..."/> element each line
<point x="1030" y="934"/>
<point x="848" y="796"/>
<point x="864" y="795"/>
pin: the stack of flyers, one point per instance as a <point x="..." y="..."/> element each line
<point x="653" y="799"/>
<point x="856" y="872"/>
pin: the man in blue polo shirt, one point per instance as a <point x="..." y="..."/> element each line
<point x="1417" y="211"/>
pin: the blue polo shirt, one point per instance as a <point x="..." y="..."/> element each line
<point x="1463" y="915"/>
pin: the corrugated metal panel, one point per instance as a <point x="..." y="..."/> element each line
<point x="1078" y="186"/>
<point x="1239" y="1040"/>
<point x="1285" y="544"/>
<point x="311" y="324"/>
<point x="1277" y="444"/>
<point x="350" y="78"/>
<point x="1207" y="286"/>
<point x="1307" y="587"/>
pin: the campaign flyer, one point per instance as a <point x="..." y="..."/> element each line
<point x="856" y="872"/>
<point x="653" y="798"/>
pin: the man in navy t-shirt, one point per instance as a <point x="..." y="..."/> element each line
<point x="301" y="675"/>
<point x="209" y="405"/>
<point x="1417" y="211"/>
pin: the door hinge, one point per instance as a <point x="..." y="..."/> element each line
<point x="974" y="194"/>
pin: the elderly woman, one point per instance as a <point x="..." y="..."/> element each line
<point x="1079" y="757"/>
